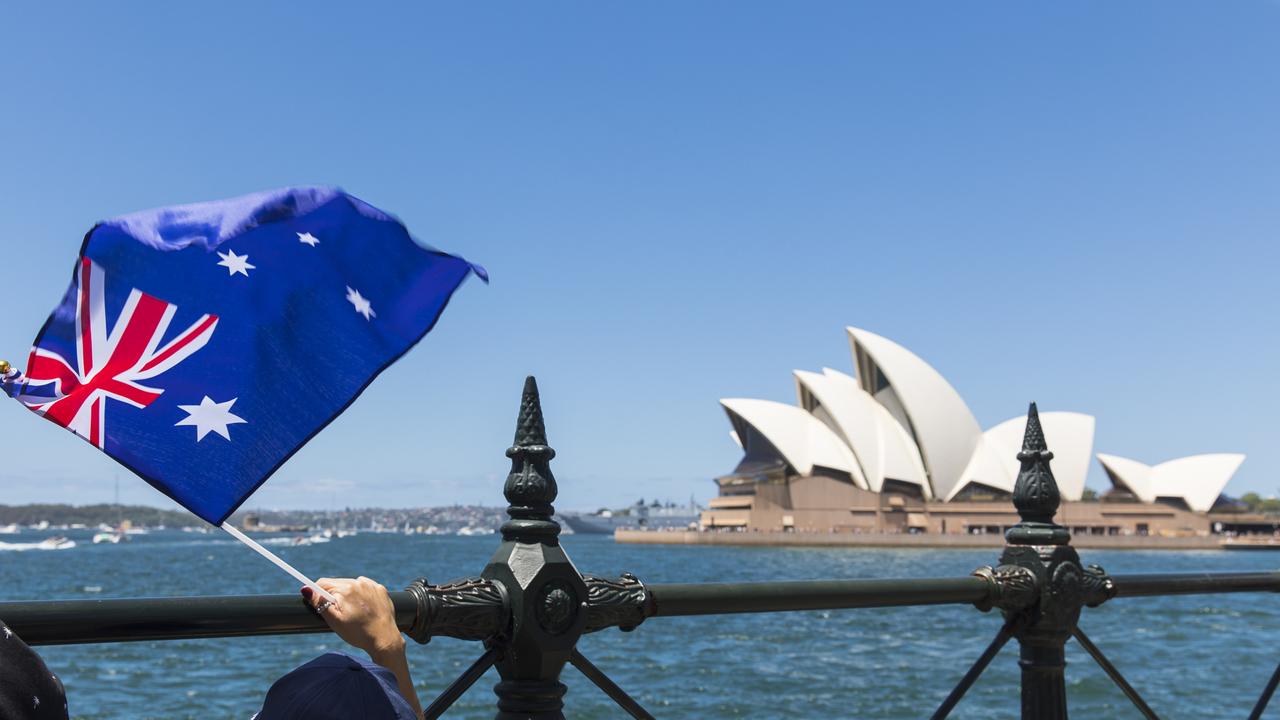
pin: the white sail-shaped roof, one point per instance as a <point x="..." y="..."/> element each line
<point x="923" y="401"/>
<point x="1129" y="475"/>
<point x="882" y="448"/>
<point x="802" y="439"/>
<point x="995" y="460"/>
<point x="984" y="468"/>
<point x="1197" y="480"/>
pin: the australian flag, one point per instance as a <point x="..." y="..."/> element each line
<point x="202" y="345"/>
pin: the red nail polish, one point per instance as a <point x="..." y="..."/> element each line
<point x="306" y="592"/>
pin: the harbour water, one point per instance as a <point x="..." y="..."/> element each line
<point x="1191" y="657"/>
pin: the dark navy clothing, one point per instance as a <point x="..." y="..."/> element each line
<point x="336" y="686"/>
<point x="28" y="690"/>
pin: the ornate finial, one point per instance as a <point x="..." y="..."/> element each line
<point x="5" y="367"/>
<point x="1035" y="494"/>
<point x="1033" y="443"/>
<point x="530" y="429"/>
<point x="530" y="487"/>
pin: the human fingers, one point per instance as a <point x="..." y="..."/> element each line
<point x="330" y="584"/>
<point x="341" y="587"/>
<point x="372" y="585"/>
<point x="323" y="606"/>
<point x="337" y="588"/>
<point x="369" y="589"/>
<point x="380" y="610"/>
<point x="310" y="597"/>
<point x="384" y="598"/>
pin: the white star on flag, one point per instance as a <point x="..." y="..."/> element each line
<point x="235" y="263"/>
<point x="210" y="416"/>
<point x="308" y="239"/>
<point x="361" y="305"/>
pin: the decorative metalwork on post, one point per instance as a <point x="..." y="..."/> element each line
<point x="548" y="596"/>
<point x="623" y="603"/>
<point x="470" y="609"/>
<point x="1040" y="584"/>
<point x="530" y="605"/>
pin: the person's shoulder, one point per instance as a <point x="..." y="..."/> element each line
<point x="28" y="689"/>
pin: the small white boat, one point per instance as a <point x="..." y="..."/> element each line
<point x="108" y="537"/>
<point x="55" y="543"/>
<point x="11" y="529"/>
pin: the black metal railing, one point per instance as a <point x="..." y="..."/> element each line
<point x="530" y="606"/>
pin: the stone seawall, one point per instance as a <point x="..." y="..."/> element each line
<point x="897" y="540"/>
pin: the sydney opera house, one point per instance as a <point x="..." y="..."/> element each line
<point x="894" y="448"/>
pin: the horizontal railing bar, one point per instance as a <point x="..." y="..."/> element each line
<point x="65" y="622"/>
<point x="1195" y="583"/>
<point x="718" y="598"/>
<point x="62" y="622"/>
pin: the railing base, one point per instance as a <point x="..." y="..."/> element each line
<point x="519" y="700"/>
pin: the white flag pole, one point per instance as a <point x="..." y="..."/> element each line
<point x="235" y="533"/>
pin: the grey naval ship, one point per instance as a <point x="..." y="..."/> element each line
<point x="640" y="516"/>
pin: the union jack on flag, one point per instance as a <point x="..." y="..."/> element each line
<point x="110" y="362"/>
<point x="202" y="345"/>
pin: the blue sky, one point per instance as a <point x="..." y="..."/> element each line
<point x="1074" y="203"/>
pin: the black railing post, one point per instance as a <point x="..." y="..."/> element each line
<point x="530" y="605"/>
<point x="547" y="596"/>
<point x="1040" y="582"/>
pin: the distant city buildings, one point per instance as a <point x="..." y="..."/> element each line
<point x="444" y="520"/>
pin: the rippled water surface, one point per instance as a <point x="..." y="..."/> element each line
<point x="1191" y="657"/>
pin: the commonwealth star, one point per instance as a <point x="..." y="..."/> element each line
<point x="235" y="263"/>
<point x="210" y="416"/>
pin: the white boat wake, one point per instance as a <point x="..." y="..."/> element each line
<point x="48" y="544"/>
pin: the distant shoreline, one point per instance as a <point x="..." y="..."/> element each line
<point x="62" y="514"/>
<point x="922" y="540"/>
